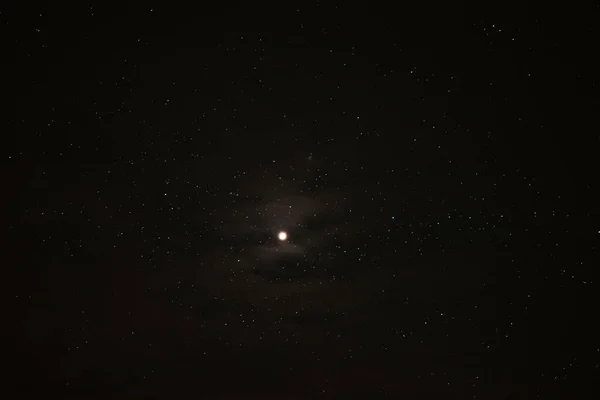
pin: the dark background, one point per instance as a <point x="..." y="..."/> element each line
<point x="435" y="167"/>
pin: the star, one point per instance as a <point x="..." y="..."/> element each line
<point x="282" y="235"/>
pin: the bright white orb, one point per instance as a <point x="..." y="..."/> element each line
<point x="282" y="236"/>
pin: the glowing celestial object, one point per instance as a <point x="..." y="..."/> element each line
<point x="282" y="235"/>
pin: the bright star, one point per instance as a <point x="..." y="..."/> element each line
<point x="282" y="235"/>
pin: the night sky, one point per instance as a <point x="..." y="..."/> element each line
<point x="433" y="166"/>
